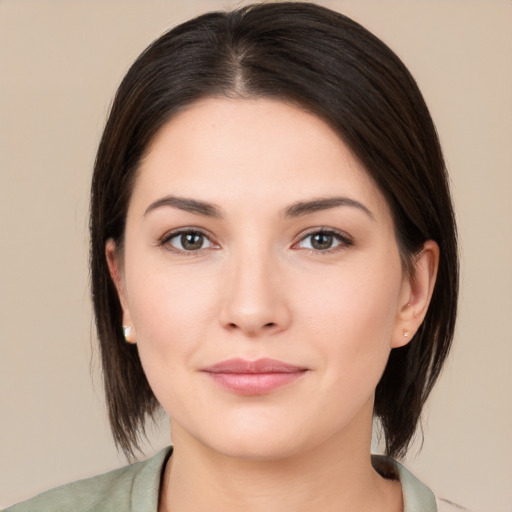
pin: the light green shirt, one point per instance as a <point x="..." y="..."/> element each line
<point x="135" y="488"/>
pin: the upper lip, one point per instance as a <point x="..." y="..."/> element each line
<point x="259" y="366"/>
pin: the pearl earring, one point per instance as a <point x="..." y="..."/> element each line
<point x="127" y="331"/>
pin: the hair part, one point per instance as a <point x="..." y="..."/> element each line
<point x="329" y="65"/>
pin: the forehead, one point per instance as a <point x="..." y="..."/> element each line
<point x="265" y="150"/>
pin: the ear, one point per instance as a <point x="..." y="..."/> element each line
<point x="416" y="293"/>
<point x="115" y="269"/>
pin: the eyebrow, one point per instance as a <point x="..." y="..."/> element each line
<point x="297" y="209"/>
<point x="188" y="205"/>
<point x="315" y="205"/>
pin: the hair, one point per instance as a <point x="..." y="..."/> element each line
<point x="331" y="66"/>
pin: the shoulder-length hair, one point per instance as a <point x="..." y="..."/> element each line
<point x="331" y="66"/>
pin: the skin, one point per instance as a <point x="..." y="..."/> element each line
<point x="259" y="287"/>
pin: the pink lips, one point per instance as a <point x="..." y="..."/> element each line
<point x="253" y="377"/>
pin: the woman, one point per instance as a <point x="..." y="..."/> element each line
<point x="274" y="262"/>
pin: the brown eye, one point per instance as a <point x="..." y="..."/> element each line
<point x="192" y="241"/>
<point x="189" y="241"/>
<point x="324" y="241"/>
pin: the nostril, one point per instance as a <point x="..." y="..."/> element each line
<point x="232" y="325"/>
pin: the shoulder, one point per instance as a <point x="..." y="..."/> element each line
<point x="448" y="506"/>
<point x="417" y="496"/>
<point x="133" y="487"/>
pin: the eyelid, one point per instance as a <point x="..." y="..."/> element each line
<point x="164" y="240"/>
<point x="344" y="239"/>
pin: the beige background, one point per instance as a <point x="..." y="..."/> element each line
<point x="60" y="62"/>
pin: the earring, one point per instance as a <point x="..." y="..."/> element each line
<point x="127" y="331"/>
<point x="406" y="333"/>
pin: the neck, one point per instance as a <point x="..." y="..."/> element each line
<point x="334" y="477"/>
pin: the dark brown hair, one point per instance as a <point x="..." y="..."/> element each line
<point x="328" y="64"/>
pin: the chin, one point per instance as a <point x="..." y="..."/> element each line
<point x="269" y="449"/>
<point x="253" y="442"/>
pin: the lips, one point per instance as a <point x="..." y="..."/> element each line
<point x="253" y="377"/>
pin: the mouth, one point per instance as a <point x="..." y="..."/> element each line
<point x="253" y="377"/>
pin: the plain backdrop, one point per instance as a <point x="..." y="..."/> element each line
<point x="60" y="63"/>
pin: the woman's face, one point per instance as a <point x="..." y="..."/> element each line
<point x="262" y="279"/>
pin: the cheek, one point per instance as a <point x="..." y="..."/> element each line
<point x="351" y="316"/>
<point x="168" y="302"/>
<point x="172" y="312"/>
<point x="361" y="297"/>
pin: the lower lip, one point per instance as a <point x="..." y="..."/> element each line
<point x="254" y="383"/>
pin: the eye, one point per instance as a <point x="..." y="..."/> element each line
<point x="324" y="240"/>
<point x="187" y="241"/>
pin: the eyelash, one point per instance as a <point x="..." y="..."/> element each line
<point x="343" y="240"/>
<point x="166" y="239"/>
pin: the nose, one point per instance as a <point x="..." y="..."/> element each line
<point x="254" y="301"/>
